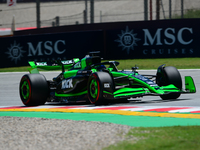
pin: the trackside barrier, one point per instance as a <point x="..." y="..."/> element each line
<point x="122" y="40"/>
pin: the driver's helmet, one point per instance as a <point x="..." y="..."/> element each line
<point x="101" y="67"/>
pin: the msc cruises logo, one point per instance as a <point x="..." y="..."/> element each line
<point x="15" y="52"/>
<point x="127" y="40"/>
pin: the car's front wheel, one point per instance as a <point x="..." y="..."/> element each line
<point x="95" y="87"/>
<point x="33" y="89"/>
<point x="169" y="75"/>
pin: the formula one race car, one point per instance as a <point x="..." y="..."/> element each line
<point x="98" y="82"/>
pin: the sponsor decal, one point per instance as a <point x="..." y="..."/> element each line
<point x="46" y="48"/>
<point x="15" y="52"/>
<point x="41" y="63"/>
<point x="66" y="62"/>
<point x="77" y="65"/>
<point x="127" y="40"/>
<point x="167" y="37"/>
<point x="106" y="85"/>
<point x="151" y="41"/>
<point x="171" y="36"/>
<point x="66" y="84"/>
<point x="84" y="72"/>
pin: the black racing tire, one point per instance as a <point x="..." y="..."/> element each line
<point x="169" y="75"/>
<point x="33" y="89"/>
<point x="95" y="87"/>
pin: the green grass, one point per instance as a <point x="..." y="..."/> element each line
<point x="14" y="69"/>
<point x="190" y="13"/>
<point x="161" y="138"/>
<point x="180" y="63"/>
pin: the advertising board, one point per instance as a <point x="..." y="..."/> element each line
<point x="17" y="51"/>
<point x="154" y="41"/>
<point x="123" y="40"/>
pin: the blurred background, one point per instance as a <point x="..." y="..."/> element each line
<point x="48" y="13"/>
<point x="120" y="29"/>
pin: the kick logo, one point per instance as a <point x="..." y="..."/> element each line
<point x="66" y="84"/>
<point x="127" y="40"/>
<point x="15" y="52"/>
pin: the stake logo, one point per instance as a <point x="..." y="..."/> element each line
<point x="127" y="40"/>
<point x="15" y="52"/>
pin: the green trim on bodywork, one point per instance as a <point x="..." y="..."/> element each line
<point x="136" y="91"/>
<point x="148" y="89"/>
<point x="130" y="92"/>
<point x="152" y="89"/>
<point x="110" y="69"/>
<point x="94" y="70"/>
<point x="33" y="70"/>
<point x="68" y="95"/>
<point x="119" y="74"/>
<point x="83" y="63"/>
<point x="107" y="92"/>
<point x="45" y="66"/>
<point x="32" y="64"/>
<point x="138" y="81"/>
<point x="76" y="60"/>
<point x="189" y="84"/>
<point x="170" y="88"/>
<point x="56" y="67"/>
<point x="70" y="73"/>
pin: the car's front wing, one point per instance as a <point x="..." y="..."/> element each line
<point x="128" y="92"/>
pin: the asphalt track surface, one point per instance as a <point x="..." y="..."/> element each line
<point x="147" y="110"/>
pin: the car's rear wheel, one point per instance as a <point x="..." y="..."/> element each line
<point x="33" y="89"/>
<point x="95" y="87"/>
<point x="169" y="75"/>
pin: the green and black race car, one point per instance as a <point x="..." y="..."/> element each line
<point x="98" y="82"/>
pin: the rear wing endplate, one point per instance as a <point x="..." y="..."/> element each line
<point x="56" y="65"/>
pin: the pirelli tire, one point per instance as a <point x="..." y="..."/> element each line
<point x="95" y="87"/>
<point x="169" y="75"/>
<point x="33" y="89"/>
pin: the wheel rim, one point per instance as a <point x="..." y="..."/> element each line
<point x="94" y="88"/>
<point x="25" y="90"/>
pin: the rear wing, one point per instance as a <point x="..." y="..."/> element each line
<point x="54" y="65"/>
